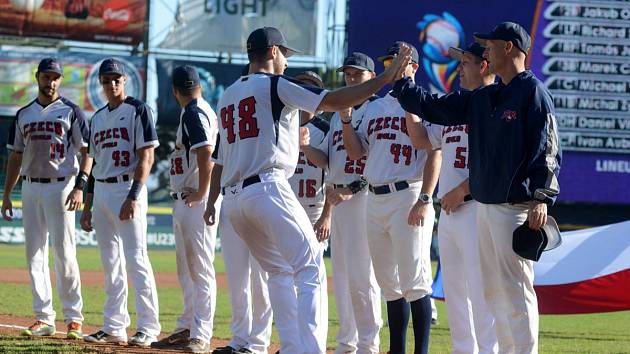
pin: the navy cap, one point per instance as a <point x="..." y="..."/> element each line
<point x="473" y="48"/>
<point x="510" y="32"/>
<point x="49" y="65"/>
<point x="267" y="37"/>
<point x="359" y="61"/>
<point x="311" y="76"/>
<point x="395" y="49"/>
<point x="530" y="244"/>
<point x="185" y="77"/>
<point x="111" y="66"/>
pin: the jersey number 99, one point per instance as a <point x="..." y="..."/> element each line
<point x="247" y="124"/>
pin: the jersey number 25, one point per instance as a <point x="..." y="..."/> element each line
<point x="247" y="125"/>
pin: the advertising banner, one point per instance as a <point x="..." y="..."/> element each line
<point x="223" y="25"/>
<point x="215" y="78"/>
<point x="112" y="21"/>
<point x="580" y="50"/>
<point x="80" y="80"/>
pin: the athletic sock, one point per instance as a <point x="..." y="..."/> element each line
<point x="398" y="320"/>
<point x="421" y="312"/>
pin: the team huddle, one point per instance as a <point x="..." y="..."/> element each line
<point x="279" y="182"/>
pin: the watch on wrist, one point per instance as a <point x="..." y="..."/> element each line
<point x="425" y="198"/>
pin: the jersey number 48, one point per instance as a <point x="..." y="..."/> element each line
<point x="247" y="125"/>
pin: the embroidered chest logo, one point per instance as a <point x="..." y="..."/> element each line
<point x="508" y="115"/>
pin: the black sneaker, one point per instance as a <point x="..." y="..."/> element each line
<point x="244" y="351"/>
<point x="224" y="350"/>
<point x="102" y="337"/>
<point x="175" y="340"/>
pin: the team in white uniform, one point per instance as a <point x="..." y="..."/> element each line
<point x="400" y="214"/>
<point x="44" y="140"/>
<point x="122" y="139"/>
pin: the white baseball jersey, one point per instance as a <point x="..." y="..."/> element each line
<point x="341" y="169"/>
<point x="391" y="156"/>
<point x="454" y="143"/>
<point x="116" y="135"/>
<point x="308" y="180"/>
<point x="49" y="138"/>
<point x="260" y="111"/>
<point x="197" y="128"/>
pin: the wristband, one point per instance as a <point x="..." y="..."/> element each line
<point x="358" y="185"/>
<point x="134" y="191"/>
<point x="90" y="184"/>
<point x="81" y="181"/>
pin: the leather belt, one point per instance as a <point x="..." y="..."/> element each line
<point x="337" y="186"/>
<point x="117" y="179"/>
<point x="43" y="180"/>
<point x="178" y="196"/>
<point x="246" y="182"/>
<point x="386" y="189"/>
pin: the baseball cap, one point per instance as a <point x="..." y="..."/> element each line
<point x="473" y="48"/>
<point x="185" y="77"/>
<point x="266" y="37"/>
<point x="530" y="244"/>
<point x="510" y="32"/>
<point x="395" y="49"/>
<point x="111" y="66"/>
<point x="311" y="76"/>
<point x="359" y="61"/>
<point x="49" y="65"/>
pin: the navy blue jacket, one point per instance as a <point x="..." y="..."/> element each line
<point x="514" y="152"/>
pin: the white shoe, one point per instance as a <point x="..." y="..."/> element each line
<point x="102" y="337"/>
<point x="142" y="339"/>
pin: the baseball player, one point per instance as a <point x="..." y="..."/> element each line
<point x="470" y="321"/>
<point x="514" y="161"/>
<point x="122" y="139"/>
<point x="356" y="290"/>
<point x="44" y="140"/>
<point x="259" y="149"/>
<point x="400" y="211"/>
<point x="195" y="241"/>
<point x="247" y="283"/>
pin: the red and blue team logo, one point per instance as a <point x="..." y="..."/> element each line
<point x="437" y="35"/>
<point x="509" y="115"/>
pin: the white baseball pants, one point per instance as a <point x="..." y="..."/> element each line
<point x="356" y="290"/>
<point x="44" y="213"/>
<point x="508" y="279"/>
<point x="275" y="227"/>
<point x="124" y="243"/>
<point x="249" y="295"/>
<point x="470" y="321"/>
<point x="195" y="243"/>
<point x="401" y="253"/>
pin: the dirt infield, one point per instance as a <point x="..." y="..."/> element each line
<point x="98" y="348"/>
<point x="95" y="278"/>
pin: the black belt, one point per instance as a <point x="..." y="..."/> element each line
<point x="468" y="198"/>
<point x="337" y="186"/>
<point x="246" y="182"/>
<point x="385" y="189"/>
<point x="178" y="196"/>
<point x="123" y="178"/>
<point x="43" y="180"/>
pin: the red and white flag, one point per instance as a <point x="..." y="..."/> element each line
<point x="588" y="273"/>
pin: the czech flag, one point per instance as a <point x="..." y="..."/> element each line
<point x="588" y="273"/>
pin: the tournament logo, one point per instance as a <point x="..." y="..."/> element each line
<point x="437" y="35"/>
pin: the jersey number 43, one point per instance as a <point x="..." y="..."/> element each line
<point x="247" y="124"/>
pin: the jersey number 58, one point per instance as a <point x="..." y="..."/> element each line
<point x="247" y="125"/>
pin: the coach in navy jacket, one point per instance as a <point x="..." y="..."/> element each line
<point x="514" y="161"/>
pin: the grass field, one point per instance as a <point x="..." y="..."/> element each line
<point x="601" y="333"/>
